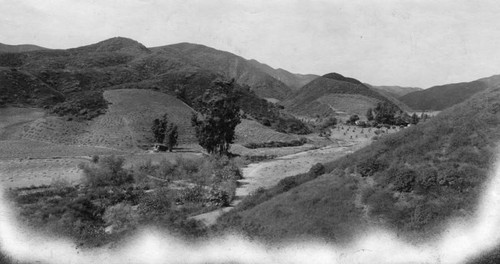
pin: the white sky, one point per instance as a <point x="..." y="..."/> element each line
<point x="382" y="42"/>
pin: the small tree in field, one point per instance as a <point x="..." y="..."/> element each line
<point x="215" y="128"/>
<point x="165" y="132"/>
<point x="171" y="136"/>
<point x="369" y="114"/>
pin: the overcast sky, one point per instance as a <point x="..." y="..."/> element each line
<point x="408" y="43"/>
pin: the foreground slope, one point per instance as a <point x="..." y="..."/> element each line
<point x="443" y="96"/>
<point x="410" y="182"/>
<point x="333" y="94"/>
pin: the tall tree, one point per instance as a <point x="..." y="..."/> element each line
<point x="215" y="127"/>
<point x="369" y="114"/>
<point x="171" y="136"/>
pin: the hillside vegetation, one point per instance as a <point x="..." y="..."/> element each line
<point x="411" y="182"/>
<point x="443" y="96"/>
<point x="19" y="48"/>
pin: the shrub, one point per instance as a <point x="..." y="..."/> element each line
<point x="121" y="217"/>
<point x="107" y="172"/>
<point x="193" y="194"/>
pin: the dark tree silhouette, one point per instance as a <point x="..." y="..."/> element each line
<point x="165" y="132"/>
<point x="215" y="126"/>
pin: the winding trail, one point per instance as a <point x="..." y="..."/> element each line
<point x="268" y="173"/>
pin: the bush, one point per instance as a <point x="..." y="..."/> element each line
<point x="121" y="217"/>
<point x="107" y="172"/>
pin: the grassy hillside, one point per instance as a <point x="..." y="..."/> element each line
<point x="441" y="97"/>
<point x="323" y="96"/>
<point x="411" y="182"/>
<point x="126" y="124"/>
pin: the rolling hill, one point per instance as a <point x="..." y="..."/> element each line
<point x="410" y="182"/>
<point x="444" y="96"/>
<point x="333" y="94"/>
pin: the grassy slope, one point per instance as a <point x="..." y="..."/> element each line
<point x="396" y="91"/>
<point x="126" y="124"/>
<point x="411" y="181"/>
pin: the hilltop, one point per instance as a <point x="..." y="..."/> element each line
<point x="441" y="97"/>
<point x="410" y="182"/>
<point x="333" y="94"/>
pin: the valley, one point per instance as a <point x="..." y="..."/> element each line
<point x="309" y="157"/>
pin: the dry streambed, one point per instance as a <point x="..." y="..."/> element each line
<point x="268" y="173"/>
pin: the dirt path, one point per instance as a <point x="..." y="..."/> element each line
<point x="269" y="173"/>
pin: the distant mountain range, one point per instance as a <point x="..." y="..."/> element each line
<point x="444" y="96"/>
<point x="19" y="48"/>
<point x="395" y="91"/>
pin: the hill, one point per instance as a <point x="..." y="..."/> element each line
<point x="293" y="80"/>
<point x="333" y="94"/>
<point x="443" y="96"/>
<point x="80" y="76"/>
<point x="19" y="48"/>
<point x="410" y="182"/>
<point x="396" y="91"/>
<point x="231" y="66"/>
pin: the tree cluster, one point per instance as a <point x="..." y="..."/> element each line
<point x="218" y="118"/>
<point x="165" y="132"/>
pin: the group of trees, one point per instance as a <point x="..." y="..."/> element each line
<point x="165" y="132"/>
<point x="214" y="125"/>
<point x="386" y="113"/>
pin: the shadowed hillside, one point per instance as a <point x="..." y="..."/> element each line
<point x="410" y="182"/>
<point x="231" y="66"/>
<point x="293" y="80"/>
<point x="333" y="94"/>
<point x="441" y="97"/>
